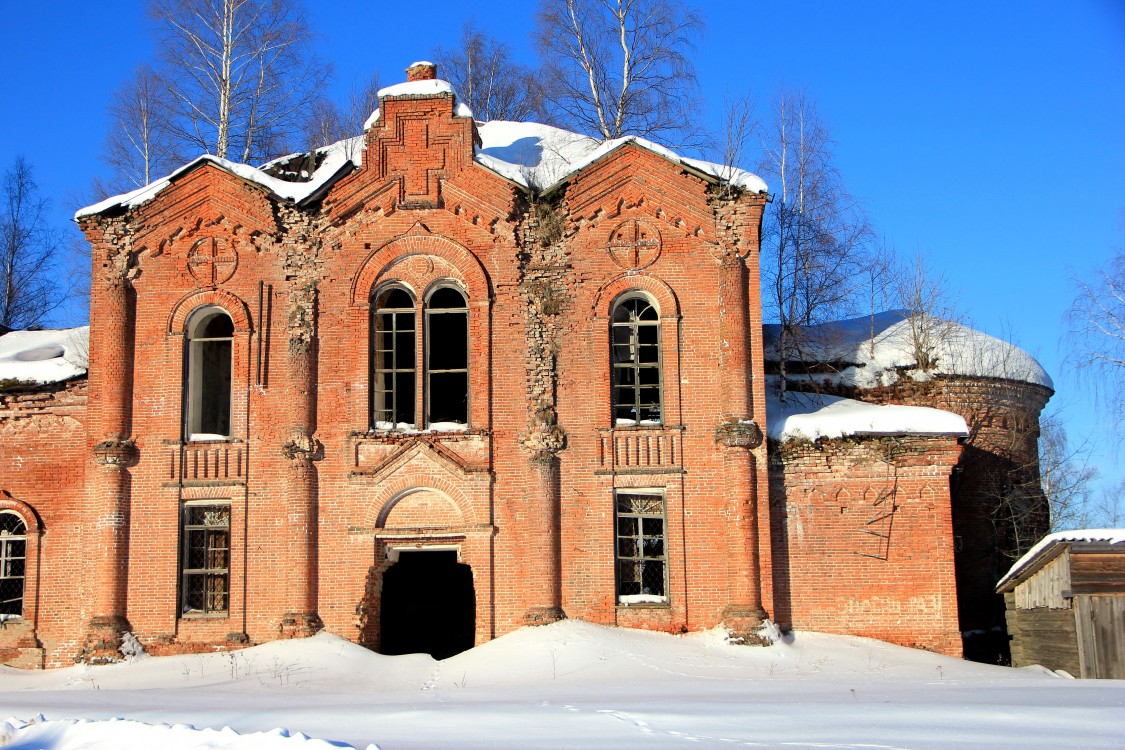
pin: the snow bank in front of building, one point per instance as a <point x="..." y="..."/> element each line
<point x="877" y="350"/>
<point x="1107" y="536"/>
<point x="813" y="416"/>
<point x="124" y="733"/>
<point x="44" y="356"/>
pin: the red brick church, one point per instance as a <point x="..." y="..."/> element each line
<point x="436" y="383"/>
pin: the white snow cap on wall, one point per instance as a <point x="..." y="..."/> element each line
<point x="876" y="350"/>
<point x="44" y="356"/>
<point x="813" y="416"/>
<point x="527" y="153"/>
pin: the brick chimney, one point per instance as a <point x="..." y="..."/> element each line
<point x="423" y="70"/>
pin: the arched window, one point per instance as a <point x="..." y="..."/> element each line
<point x="635" y="356"/>
<point x="399" y="335"/>
<point x="210" y="341"/>
<point x="393" y="362"/>
<point x="13" y="563"/>
<point x="447" y="357"/>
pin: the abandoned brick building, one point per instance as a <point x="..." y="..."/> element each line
<point x="435" y="383"/>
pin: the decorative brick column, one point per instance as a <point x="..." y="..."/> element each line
<point x="110" y="415"/>
<point x="736" y="436"/>
<point x="303" y="451"/>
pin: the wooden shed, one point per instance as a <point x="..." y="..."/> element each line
<point x="1066" y="603"/>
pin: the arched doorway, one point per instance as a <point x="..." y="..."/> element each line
<point x="428" y="605"/>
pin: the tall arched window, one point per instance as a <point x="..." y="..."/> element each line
<point x="13" y="563"/>
<point x="393" y="362"/>
<point x="635" y="356"/>
<point x="447" y="357"/>
<point x="210" y="342"/>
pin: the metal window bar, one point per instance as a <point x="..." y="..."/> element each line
<point x="447" y="357"/>
<point x="13" y="563"/>
<point x="206" y="559"/>
<point x="392" y="361"/>
<point x="637" y="373"/>
<point x="641" y="560"/>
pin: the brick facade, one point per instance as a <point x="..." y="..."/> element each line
<point x="318" y="499"/>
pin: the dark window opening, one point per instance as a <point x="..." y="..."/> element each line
<point x="210" y="345"/>
<point x="635" y="345"/>
<point x="393" y="361"/>
<point x="13" y="563"/>
<point x="447" y="366"/>
<point x="206" y="559"/>
<point x="428" y="605"/>
<point x="641" y="561"/>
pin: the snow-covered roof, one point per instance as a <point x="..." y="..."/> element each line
<point x="527" y="153"/>
<point x="44" y="356"/>
<point x="1051" y="545"/>
<point x="873" y="351"/>
<point x="813" y="416"/>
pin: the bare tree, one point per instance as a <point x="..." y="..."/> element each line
<point x="815" y="238"/>
<point x="240" y="73"/>
<point x="328" y="122"/>
<point x="486" y="77"/>
<point x="620" y="67"/>
<point x="28" y="251"/>
<point x="1065" y="474"/>
<point x="1097" y="331"/>
<point x="738" y="128"/>
<point x="930" y="312"/>
<point x="139" y="147"/>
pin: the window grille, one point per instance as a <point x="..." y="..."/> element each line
<point x="635" y="344"/>
<point x="206" y="559"/>
<point x="210" y="343"/>
<point x="393" y="361"/>
<point x="13" y="563"/>
<point x="641" y="561"/>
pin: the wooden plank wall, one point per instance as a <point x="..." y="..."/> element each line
<point x="1043" y="636"/>
<point x="1101" y="636"/>
<point x="1097" y="572"/>
<point x="1046" y="587"/>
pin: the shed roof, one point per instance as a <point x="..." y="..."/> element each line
<point x="1050" y="546"/>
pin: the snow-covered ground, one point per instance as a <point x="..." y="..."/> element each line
<point x="571" y="684"/>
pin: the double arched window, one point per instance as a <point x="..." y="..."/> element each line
<point x="404" y="344"/>
<point x="635" y="358"/>
<point x="210" y="338"/>
<point x="13" y="563"/>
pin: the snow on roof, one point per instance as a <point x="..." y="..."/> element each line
<point x="416" y="63"/>
<point x="335" y="158"/>
<point x="1046" y="546"/>
<point x="812" y="416"/>
<point x="873" y="350"/>
<point x="44" y="356"/>
<point x="527" y="153"/>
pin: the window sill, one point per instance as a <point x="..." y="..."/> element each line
<point x="205" y="616"/>
<point x="644" y="605"/>
<point x="207" y="438"/>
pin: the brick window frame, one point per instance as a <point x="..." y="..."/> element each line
<point x="32" y="532"/>
<point x="205" y="558"/>
<point x="640" y="518"/>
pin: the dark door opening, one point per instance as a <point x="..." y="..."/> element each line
<point x="429" y="605"/>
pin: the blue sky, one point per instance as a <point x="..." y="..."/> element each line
<point x="986" y="135"/>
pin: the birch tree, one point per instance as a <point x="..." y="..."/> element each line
<point x="139" y="147"/>
<point x="1097" y="331"/>
<point x="28" y="251"/>
<point x="620" y="67"/>
<point x="329" y="121"/>
<point x="815" y="237"/>
<point x="239" y="73"/>
<point x="486" y="77"/>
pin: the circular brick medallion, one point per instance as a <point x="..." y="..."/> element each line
<point x="634" y="244"/>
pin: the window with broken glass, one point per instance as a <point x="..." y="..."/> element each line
<point x="635" y="347"/>
<point x="641" y="562"/>
<point x="206" y="559"/>
<point x="13" y="563"/>
<point x="210" y="344"/>
<point x="397" y="338"/>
